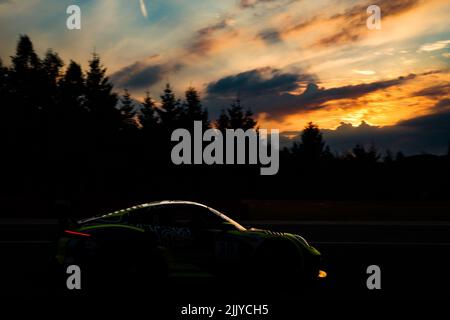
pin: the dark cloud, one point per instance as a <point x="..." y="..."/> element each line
<point x="314" y="97"/>
<point x="300" y="26"/>
<point x="270" y="36"/>
<point x="353" y="91"/>
<point x="213" y="28"/>
<point x="434" y="91"/>
<point x="424" y="134"/>
<point x="443" y="104"/>
<point x="141" y="76"/>
<point x="274" y="36"/>
<point x="137" y="77"/>
<point x="345" y="35"/>
<point x="431" y="123"/>
<point x="395" y="7"/>
<point x="246" y="4"/>
<point x="257" y="82"/>
<point x="204" y="40"/>
<point x="268" y="90"/>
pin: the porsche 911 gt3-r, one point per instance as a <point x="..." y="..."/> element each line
<point x="170" y="239"/>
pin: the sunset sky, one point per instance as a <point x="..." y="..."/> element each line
<point x="290" y="61"/>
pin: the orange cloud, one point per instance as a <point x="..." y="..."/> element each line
<point x="385" y="107"/>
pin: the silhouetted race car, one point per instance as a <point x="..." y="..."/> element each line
<point x="158" y="241"/>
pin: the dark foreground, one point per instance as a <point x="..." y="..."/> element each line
<point x="413" y="257"/>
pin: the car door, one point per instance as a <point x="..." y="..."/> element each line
<point x="193" y="236"/>
<point x="214" y="244"/>
<point x="169" y="229"/>
<point x="172" y="227"/>
<point x="190" y="242"/>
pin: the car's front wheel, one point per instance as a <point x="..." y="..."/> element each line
<point x="278" y="265"/>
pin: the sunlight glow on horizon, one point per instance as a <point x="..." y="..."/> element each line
<point x="199" y="43"/>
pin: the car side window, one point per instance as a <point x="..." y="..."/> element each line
<point x="189" y="216"/>
<point x="166" y="216"/>
<point x="203" y="218"/>
<point x="211" y="220"/>
<point x="176" y="215"/>
<point x="145" y="216"/>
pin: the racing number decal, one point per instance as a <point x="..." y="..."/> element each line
<point x="171" y="236"/>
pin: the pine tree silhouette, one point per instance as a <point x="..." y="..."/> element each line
<point x="72" y="112"/>
<point x="51" y="71"/>
<point x="148" y="116"/>
<point x="26" y="78"/>
<point x="365" y="156"/>
<point x="6" y="125"/>
<point x="170" y="111"/>
<point x="388" y="157"/>
<point x="3" y="78"/>
<point x="51" y="66"/>
<point x="101" y="103"/>
<point x="193" y="110"/>
<point x="223" y="122"/>
<point x="127" y="110"/>
<point x="72" y="87"/>
<point x="27" y="85"/>
<point x="235" y="117"/>
<point x="311" y="147"/>
<point x="26" y="58"/>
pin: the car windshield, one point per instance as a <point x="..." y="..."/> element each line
<point x="227" y="219"/>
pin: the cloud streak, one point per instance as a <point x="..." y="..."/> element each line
<point x="438" y="45"/>
<point x="247" y="4"/>
<point x="141" y="76"/>
<point x="350" y="24"/>
<point x="435" y="91"/>
<point x="364" y="72"/>
<point x="143" y="8"/>
<point x="204" y="40"/>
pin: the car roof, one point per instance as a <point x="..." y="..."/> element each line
<point x="120" y="213"/>
<point x="144" y="205"/>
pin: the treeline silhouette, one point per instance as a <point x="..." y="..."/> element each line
<point x="67" y="138"/>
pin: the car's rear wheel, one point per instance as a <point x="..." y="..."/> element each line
<point x="113" y="273"/>
<point x="134" y="274"/>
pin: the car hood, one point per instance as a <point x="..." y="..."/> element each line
<point x="291" y="236"/>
